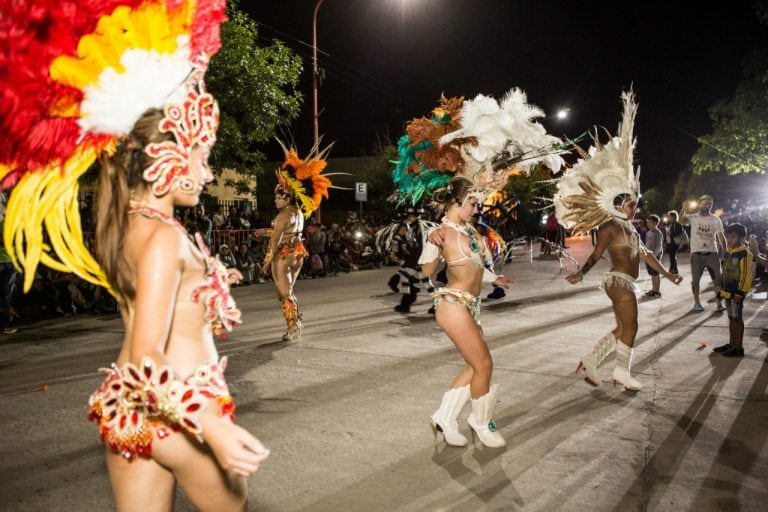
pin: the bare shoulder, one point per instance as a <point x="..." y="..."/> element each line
<point x="610" y="228"/>
<point x="150" y="239"/>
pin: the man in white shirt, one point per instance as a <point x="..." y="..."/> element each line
<point x="707" y="243"/>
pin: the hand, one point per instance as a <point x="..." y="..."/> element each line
<point x="737" y="298"/>
<point x="266" y="269"/>
<point x="234" y="276"/>
<point x="235" y="448"/>
<point x="576" y="277"/>
<point x="436" y="237"/>
<point x="504" y="281"/>
<point x="675" y="278"/>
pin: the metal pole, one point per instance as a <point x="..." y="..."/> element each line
<point x="315" y="114"/>
<point x="315" y="72"/>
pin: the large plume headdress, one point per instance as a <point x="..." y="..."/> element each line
<point x="482" y="139"/>
<point x="587" y="192"/>
<point x="303" y="178"/>
<point x="76" y="77"/>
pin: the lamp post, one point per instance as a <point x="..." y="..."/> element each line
<point x="315" y="72"/>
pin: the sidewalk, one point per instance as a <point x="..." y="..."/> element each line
<point x="346" y="411"/>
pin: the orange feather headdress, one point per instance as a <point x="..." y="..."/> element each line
<point x="303" y="178"/>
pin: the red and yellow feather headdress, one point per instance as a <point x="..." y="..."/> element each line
<point x="76" y="76"/>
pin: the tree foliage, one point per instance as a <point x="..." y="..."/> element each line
<point x="739" y="140"/>
<point x="256" y="90"/>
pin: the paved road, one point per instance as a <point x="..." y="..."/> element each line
<point x="346" y="411"/>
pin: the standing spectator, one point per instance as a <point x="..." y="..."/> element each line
<point x="336" y="249"/>
<point x="678" y="238"/>
<point x="203" y="224"/>
<point x="654" y="242"/>
<point x="245" y="263"/>
<point x="244" y="222"/>
<point x="234" y="218"/>
<point x="550" y="234"/>
<point x="735" y="284"/>
<point x="218" y="219"/>
<point x="707" y="242"/>
<point x="318" y="243"/>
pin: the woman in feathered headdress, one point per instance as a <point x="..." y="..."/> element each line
<point x="601" y="192"/>
<point x="122" y="81"/>
<point x="301" y="186"/>
<point x="457" y="311"/>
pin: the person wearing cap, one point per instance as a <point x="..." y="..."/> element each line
<point x="707" y="243"/>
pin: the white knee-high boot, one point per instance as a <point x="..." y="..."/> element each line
<point x="444" y="419"/>
<point x="590" y="361"/>
<point x="623" y="363"/>
<point x="481" y="419"/>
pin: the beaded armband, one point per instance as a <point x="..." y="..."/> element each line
<point x="135" y="402"/>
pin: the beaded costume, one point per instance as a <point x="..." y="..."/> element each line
<point x="302" y="181"/>
<point x="77" y="77"/>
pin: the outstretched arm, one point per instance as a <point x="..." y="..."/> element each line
<point x="653" y="262"/>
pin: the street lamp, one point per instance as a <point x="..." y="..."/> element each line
<point x="562" y="113"/>
<point x="315" y="73"/>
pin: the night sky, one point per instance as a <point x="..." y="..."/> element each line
<point x="387" y="61"/>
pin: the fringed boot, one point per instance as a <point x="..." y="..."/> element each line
<point x="621" y="373"/>
<point x="590" y="361"/>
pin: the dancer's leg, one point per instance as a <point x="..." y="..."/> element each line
<point x="456" y="321"/>
<point x="625" y="306"/>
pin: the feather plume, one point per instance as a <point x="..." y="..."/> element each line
<point x="585" y="193"/>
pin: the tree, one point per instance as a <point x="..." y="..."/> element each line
<point x="256" y="90"/>
<point x="739" y="140"/>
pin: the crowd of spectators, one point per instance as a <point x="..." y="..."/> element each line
<point x="238" y="238"/>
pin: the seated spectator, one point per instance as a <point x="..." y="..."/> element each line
<point x="226" y="256"/>
<point x="245" y="264"/>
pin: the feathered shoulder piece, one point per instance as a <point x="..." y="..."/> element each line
<point x="586" y="193"/>
<point x="303" y="178"/>
<point x="482" y="139"/>
<point x="76" y="76"/>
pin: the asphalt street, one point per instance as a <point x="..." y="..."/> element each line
<point x="346" y="411"/>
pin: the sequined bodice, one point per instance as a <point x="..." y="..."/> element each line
<point x="220" y="308"/>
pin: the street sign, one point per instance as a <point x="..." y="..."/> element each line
<point x="361" y="191"/>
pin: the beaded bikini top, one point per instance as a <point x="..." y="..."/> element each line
<point x="220" y="308"/>
<point x="477" y="255"/>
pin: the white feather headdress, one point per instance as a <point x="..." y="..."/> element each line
<point x="586" y="193"/>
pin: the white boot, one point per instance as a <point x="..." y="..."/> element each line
<point x="589" y="362"/>
<point x="481" y="419"/>
<point x="444" y="419"/>
<point x="623" y="364"/>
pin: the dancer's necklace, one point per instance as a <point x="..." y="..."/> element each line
<point x="467" y="229"/>
<point x="153" y="213"/>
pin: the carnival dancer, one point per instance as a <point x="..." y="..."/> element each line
<point x="601" y="191"/>
<point x="124" y="84"/>
<point x="301" y="187"/>
<point x="457" y="311"/>
<point x="480" y="143"/>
